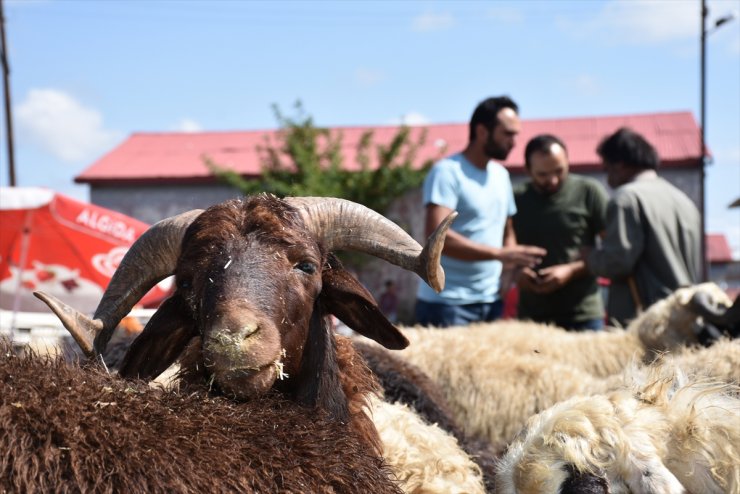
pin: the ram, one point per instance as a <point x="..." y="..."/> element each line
<point x="256" y="285"/>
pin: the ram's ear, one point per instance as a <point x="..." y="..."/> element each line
<point x="161" y="342"/>
<point x="346" y="298"/>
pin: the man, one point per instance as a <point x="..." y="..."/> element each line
<point x="481" y="237"/>
<point x="652" y="244"/>
<point x="561" y="213"/>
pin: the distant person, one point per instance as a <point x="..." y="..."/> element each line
<point x="388" y="302"/>
<point x="652" y="244"/>
<point x="481" y="237"/>
<point x="562" y="213"/>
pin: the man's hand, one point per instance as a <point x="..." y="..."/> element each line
<point x="522" y="255"/>
<point x="554" y="278"/>
<point x="527" y="280"/>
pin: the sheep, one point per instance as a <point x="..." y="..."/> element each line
<point x="667" y="325"/>
<point x="256" y="284"/>
<point x="65" y="428"/>
<point x="492" y="393"/>
<point x="492" y="389"/>
<point x="721" y="361"/>
<point x="660" y="433"/>
<point x="424" y="458"/>
<point x="406" y="385"/>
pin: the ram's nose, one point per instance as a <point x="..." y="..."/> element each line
<point x="235" y="330"/>
<point x="246" y="330"/>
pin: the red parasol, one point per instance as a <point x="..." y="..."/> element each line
<point x="62" y="246"/>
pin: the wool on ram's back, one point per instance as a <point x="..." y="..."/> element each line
<point x="64" y="428"/>
<point x="660" y="433"/>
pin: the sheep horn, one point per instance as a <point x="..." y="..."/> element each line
<point x="340" y="224"/>
<point x="148" y="261"/>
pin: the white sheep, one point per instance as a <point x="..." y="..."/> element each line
<point x="424" y="458"/>
<point x="667" y="325"/>
<point x="720" y="361"/>
<point x="658" y="434"/>
<point x="493" y="388"/>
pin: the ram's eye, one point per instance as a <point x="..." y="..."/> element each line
<point x="306" y="267"/>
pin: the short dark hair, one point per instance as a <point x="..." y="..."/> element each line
<point x="541" y="143"/>
<point x="630" y="148"/>
<point x="486" y="112"/>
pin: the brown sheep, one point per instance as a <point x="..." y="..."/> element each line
<point x="64" y="428"/>
<point x="256" y="285"/>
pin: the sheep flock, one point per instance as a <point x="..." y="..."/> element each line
<point x="238" y="383"/>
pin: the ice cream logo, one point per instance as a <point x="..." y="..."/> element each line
<point x="107" y="263"/>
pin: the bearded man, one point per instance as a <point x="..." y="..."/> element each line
<point x="562" y="213"/>
<point x="475" y="185"/>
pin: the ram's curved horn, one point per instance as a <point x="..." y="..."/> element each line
<point x="341" y="224"/>
<point x="148" y="261"/>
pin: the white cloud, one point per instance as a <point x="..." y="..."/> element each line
<point x="432" y="21"/>
<point x="506" y="14"/>
<point x="651" y="21"/>
<point x="63" y="127"/>
<point x="412" y="119"/>
<point x="644" y="21"/>
<point x="188" y="125"/>
<point x="368" y="77"/>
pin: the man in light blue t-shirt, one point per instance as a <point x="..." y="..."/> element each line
<point x="481" y="237"/>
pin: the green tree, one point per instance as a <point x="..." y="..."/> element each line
<point x="307" y="160"/>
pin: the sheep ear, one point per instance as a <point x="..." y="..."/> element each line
<point x="318" y="384"/>
<point x="346" y="298"/>
<point x="161" y="342"/>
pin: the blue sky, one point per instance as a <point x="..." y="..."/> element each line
<point x="85" y="74"/>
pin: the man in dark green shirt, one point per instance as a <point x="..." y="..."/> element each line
<point x="562" y="213"/>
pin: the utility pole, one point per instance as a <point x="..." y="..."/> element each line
<point x="702" y="142"/>
<point x="6" y="87"/>
<point x="703" y="117"/>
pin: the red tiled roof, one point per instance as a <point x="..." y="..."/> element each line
<point x="150" y="157"/>
<point x="718" y="249"/>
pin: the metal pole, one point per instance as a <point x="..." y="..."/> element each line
<point x="6" y="86"/>
<point x="702" y="143"/>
